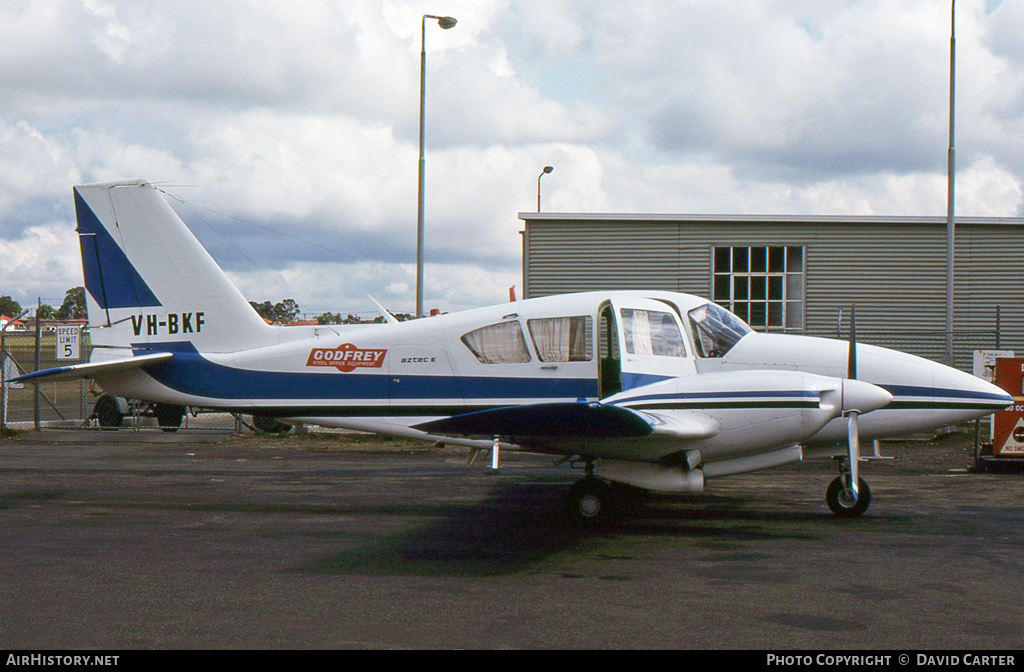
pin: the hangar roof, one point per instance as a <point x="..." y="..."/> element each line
<point x="747" y="219"/>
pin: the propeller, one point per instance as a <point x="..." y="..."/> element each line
<point x="851" y="359"/>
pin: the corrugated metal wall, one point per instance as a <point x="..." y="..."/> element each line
<point x="894" y="270"/>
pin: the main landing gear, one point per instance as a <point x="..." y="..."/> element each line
<point x="591" y="501"/>
<point x="841" y="498"/>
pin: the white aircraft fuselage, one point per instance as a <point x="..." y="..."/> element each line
<point x="654" y="389"/>
<point x="411" y="372"/>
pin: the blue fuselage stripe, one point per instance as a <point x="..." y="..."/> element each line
<point x="907" y="396"/>
<point x="192" y="374"/>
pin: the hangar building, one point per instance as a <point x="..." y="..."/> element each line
<point x="800" y="274"/>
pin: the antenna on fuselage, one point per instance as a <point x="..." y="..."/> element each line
<point x="388" y="317"/>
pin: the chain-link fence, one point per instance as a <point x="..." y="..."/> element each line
<point x="79" y="403"/>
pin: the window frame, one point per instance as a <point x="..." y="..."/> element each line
<point x="638" y="339"/>
<point x="776" y="272"/>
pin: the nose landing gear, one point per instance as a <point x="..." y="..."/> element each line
<point x="841" y="498"/>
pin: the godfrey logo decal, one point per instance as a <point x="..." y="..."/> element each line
<point x="347" y="357"/>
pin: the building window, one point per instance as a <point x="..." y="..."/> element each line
<point x="763" y="285"/>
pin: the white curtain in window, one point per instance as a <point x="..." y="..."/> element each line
<point x="651" y="332"/>
<point x="636" y="324"/>
<point x="498" y="344"/>
<point x="561" y="339"/>
<point x="580" y="349"/>
<point x="551" y="338"/>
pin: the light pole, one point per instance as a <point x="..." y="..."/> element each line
<point x="445" y="22"/>
<point x="950" y="178"/>
<point x="547" y="169"/>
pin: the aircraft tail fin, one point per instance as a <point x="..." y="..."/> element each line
<point x="149" y="283"/>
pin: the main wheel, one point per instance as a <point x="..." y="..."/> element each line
<point x="269" y="425"/>
<point x="108" y="413"/>
<point x="589" y="502"/>
<point x="169" y="416"/>
<point x="842" y="503"/>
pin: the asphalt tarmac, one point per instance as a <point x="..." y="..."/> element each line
<point x="205" y="540"/>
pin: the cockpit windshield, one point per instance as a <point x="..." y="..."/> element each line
<point x="715" y="329"/>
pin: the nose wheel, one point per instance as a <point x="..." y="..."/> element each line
<point x="843" y="501"/>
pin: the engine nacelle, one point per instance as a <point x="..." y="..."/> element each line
<point x="654" y="477"/>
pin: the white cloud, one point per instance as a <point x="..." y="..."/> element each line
<point x="985" y="189"/>
<point x="31" y="164"/>
<point x="302" y="118"/>
<point x="42" y="263"/>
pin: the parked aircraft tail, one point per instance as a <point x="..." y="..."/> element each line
<point x="149" y="283"/>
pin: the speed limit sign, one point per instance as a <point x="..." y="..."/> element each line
<point x="67" y="342"/>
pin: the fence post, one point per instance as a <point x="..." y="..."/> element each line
<point x="3" y="377"/>
<point x="35" y="396"/>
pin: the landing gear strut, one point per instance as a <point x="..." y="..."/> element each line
<point x="841" y="498"/>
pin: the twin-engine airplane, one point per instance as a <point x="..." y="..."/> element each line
<point x="656" y="390"/>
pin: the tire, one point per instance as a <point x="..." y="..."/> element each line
<point x="589" y="503"/>
<point x="107" y="412"/>
<point x="840" y="504"/>
<point x="269" y="425"/>
<point x="169" y="416"/>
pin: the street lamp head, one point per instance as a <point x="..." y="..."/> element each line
<point x="447" y="22"/>
<point x="547" y="169"/>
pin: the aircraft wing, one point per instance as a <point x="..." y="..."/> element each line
<point x="574" y="420"/>
<point x="90" y="369"/>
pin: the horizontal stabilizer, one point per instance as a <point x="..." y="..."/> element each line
<point x="571" y="419"/>
<point x="91" y="369"/>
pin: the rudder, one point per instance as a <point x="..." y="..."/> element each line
<point x="149" y="282"/>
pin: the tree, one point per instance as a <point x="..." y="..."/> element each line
<point x="286" y="311"/>
<point x="282" y="312"/>
<point x="45" y="312"/>
<point x="74" y="306"/>
<point x="328" y="318"/>
<point x="264" y="310"/>
<point x="9" y="307"/>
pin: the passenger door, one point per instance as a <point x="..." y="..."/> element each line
<point x="651" y="342"/>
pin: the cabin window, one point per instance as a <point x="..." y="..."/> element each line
<point x="498" y="344"/>
<point x="715" y="330"/>
<point x="763" y="285"/>
<point x="651" y="332"/>
<point x="562" y="339"/>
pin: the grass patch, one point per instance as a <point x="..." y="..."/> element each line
<point x="7" y="434"/>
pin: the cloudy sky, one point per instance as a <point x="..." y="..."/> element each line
<point x="288" y="130"/>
